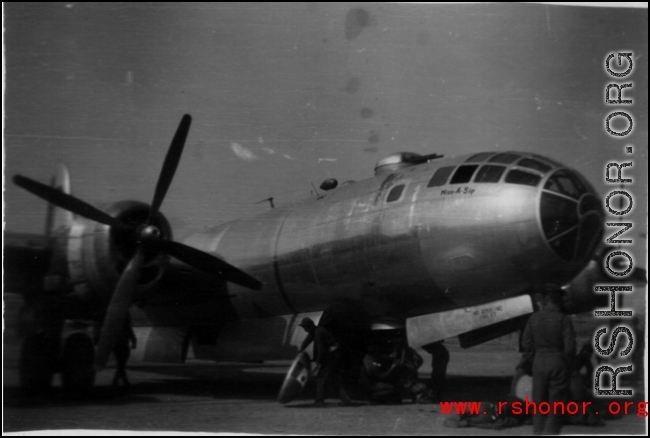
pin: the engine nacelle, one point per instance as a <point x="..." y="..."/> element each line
<point x="98" y="254"/>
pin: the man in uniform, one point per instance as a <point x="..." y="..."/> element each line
<point x="121" y="352"/>
<point x="328" y="356"/>
<point x="391" y="372"/>
<point x="550" y="335"/>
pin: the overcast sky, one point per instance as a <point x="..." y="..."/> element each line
<point x="284" y="95"/>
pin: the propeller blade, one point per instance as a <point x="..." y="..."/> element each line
<point x="169" y="166"/>
<point x="118" y="310"/>
<point x="66" y="201"/>
<point x="209" y="264"/>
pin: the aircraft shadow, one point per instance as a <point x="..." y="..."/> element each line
<point x="144" y="392"/>
<point x="457" y="389"/>
<point x="329" y="404"/>
<point x="17" y="398"/>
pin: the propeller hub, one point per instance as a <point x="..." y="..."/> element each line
<point x="150" y="233"/>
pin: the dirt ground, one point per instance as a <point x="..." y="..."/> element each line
<point x="214" y="398"/>
<point x="203" y="397"/>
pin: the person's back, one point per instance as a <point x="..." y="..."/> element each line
<point x="549" y="334"/>
<point x="552" y="331"/>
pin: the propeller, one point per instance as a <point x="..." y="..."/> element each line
<point x="148" y="238"/>
<point x="65" y="201"/>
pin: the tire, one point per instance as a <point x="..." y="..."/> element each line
<point x="77" y="367"/>
<point x="37" y="363"/>
<point x="522" y="385"/>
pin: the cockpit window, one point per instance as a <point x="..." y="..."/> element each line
<point x="516" y="176"/>
<point x="440" y="177"/>
<point x="505" y="158"/>
<point x="489" y="174"/>
<point x="546" y="160"/>
<point x="566" y="183"/>
<point x="395" y="193"/>
<point x="534" y="164"/>
<point x="477" y="158"/>
<point x="463" y="174"/>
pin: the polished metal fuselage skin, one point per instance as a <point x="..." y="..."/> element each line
<point x="433" y="249"/>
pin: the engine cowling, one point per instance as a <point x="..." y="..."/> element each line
<point x="97" y="253"/>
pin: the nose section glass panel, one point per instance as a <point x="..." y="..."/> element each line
<point x="558" y="215"/>
<point x="565" y="244"/>
<point x="566" y="183"/>
<point x="590" y="232"/>
<point x="504" y="158"/>
<point x="534" y="164"/>
<point x="516" y="176"/>
<point x="571" y="216"/>
<point x="589" y="203"/>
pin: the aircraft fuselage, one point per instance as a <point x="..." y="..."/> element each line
<point x="426" y="238"/>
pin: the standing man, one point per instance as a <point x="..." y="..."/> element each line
<point x="327" y="354"/>
<point x="122" y="351"/>
<point x="549" y="334"/>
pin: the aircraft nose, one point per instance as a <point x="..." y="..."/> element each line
<point x="571" y="215"/>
